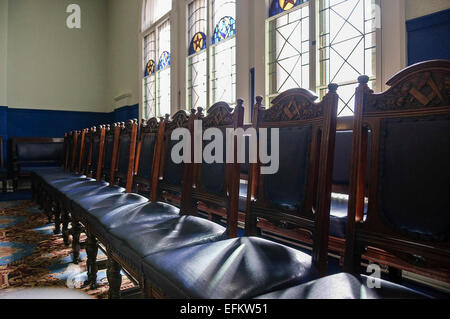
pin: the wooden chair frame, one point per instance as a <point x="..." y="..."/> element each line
<point x="296" y="108"/>
<point x="223" y="117"/>
<point x="418" y="91"/>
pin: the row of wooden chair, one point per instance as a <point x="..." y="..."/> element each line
<point x="172" y="252"/>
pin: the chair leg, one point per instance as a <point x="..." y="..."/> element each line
<point x="76" y="231"/>
<point x="57" y="213"/>
<point x="65" y="227"/>
<point x="92" y="251"/>
<point x="114" y="278"/>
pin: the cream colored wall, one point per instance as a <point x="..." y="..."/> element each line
<point x="51" y="66"/>
<point x="3" y="51"/>
<point x="122" y="53"/>
<point x="419" y="8"/>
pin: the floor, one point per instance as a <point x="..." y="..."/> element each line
<point x="32" y="256"/>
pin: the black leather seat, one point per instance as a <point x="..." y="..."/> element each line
<point x="230" y="269"/>
<point x="345" y="286"/>
<point x="160" y="233"/>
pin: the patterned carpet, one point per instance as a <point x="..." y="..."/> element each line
<point x="31" y="256"/>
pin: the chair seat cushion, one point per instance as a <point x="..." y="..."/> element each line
<point x="148" y="213"/>
<point x="108" y="201"/>
<point x="92" y="188"/>
<point x="344" y="286"/>
<point x="63" y="186"/>
<point x="150" y="236"/>
<point x="231" y="269"/>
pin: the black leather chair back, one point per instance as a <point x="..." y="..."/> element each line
<point x="409" y="204"/>
<point x="126" y="154"/>
<point x="298" y="195"/>
<point x="217" y="183"/>
<point x="146" y="156"/>
<point x="97" y="151"/>
<point x="111" y="144"/>
<point x="171" y="174"/>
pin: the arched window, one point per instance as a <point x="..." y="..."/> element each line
<point x="157" y="57"/>
<point x="211" y="62"/>
<point x="341" y="46"/>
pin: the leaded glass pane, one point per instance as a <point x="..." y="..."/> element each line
<point x="288" y="63"/>
<point x="154" y="10"/>
<point x="150" y="68"/>
<point x="347" y="46"/>
<point x="149" y="96"/>
<point x="197" y="26"/>
<point x="197" y="88"/>
<point x="164" y="92"/>
<point x="223" y="72"/>
<point x="163" y="76"/>
<point x="223" y="19"/>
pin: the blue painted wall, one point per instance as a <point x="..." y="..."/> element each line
<point x="428" y="37"/>
<point x="44" y="123"/>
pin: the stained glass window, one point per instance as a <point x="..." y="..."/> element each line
<point x="288" y="54"/>
<point x="279" y="6"/>
<point x="163" y="88"/>
<point x="225" y="28"/>
<point x="196" y="62"/>
<point x="347" y="47"/>
<point x="223" y="52"/>
<point x="150" y="68"/>
<point x="157" y="58"/>
<point x="211" y="62"/>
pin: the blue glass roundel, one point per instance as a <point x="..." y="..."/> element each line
<point x="279" y="6"/>
<point x="225" y="28"/>
<point x="164" y="60"/>
<point x="149" y="68"/>
<point x="198" y="43"/>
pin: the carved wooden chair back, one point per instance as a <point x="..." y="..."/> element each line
<point x="76" y="146"/>
<point x="151" y="134"/>
<point x="85" y="148"/>
<point x="409" y="204"/>
<point x="126" y="154"/>
<point x="111" y="146"/>
<point x="217" y="183"/>
<point x="171" y="175"/>
<point x="298" y="195"/>
<point x="97" y="148"/>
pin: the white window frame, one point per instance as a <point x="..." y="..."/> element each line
<point x="389" y="38"/>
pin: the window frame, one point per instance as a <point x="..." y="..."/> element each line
<point x="208" y="50"/>
<point x="142" y="35"/>
<point x="314" y="49"/>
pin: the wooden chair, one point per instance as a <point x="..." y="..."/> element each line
<point x="126" y="155"/>
<point x="299" y="195"/>
<point x="216" y="185"/>
<point x="255" y="265"/>
<point x="408" y="211"/>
